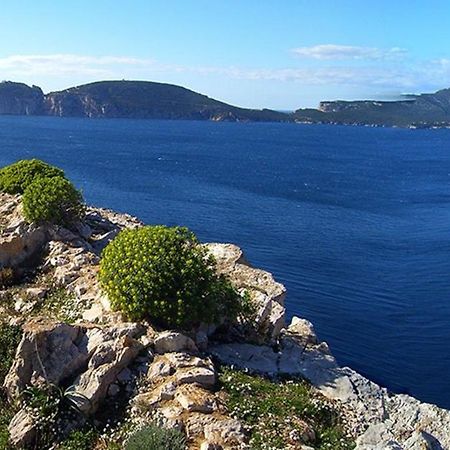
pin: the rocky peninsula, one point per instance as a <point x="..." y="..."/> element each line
<point x="150" y="100"/>
<point x="168" y="377"/>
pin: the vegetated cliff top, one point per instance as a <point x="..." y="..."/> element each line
<point x="151" y="100"/>
<point x="129" y="99"/>
<point x="424" y="110"/>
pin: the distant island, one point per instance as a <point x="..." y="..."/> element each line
<point x="151" y="100"/>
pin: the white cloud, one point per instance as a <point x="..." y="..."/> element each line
<point x="67" y="64"/>
<point x="349" y="52"/>
<point x="66" y="69"/>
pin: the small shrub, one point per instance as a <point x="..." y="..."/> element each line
<point x="155" y="438"/>
<point x="51" y="409"/>
<point x="15" y="178"/>
<point x="164" y="274"/>
<point x="79" y="440"/>
<point x="53" y="200"/>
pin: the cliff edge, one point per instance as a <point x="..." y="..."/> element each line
<point x="77" y="337"/>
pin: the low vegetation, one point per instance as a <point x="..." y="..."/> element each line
<point x="154" y="438"/>
<point x="283" y="414"/>
<point x="10" y="336"/>
<point x="52" y="409"/>
<point x="15" y="178"/>
<point x="164" y="274"/>
<point x="80" y="440"/>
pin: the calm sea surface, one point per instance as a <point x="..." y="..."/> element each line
<point x="354" y="221"/>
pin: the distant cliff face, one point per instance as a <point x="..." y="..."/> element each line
<point x="425" y="110"/>
<point x="146" y="100"/>
<point x="149" y="100"/>
<point x="20" y="99"/>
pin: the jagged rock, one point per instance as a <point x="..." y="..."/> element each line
<point x="200" y="375"/>
<point x="303" y="330"/>
<point x="53" y="352"/>
<point x="159" y="368"/>
<point x="266" y="294"/>
<point x="171" y="341"/>
<point x="48" y="351"/>
<point x="257" y="358"/>
<point x="218" y="429"/>
<point x="179" y="360"/>
<point x="380" y="419"/>
<point x="22" y="430"/>
<point x="21" y="244"/>
<point x="194" y="398"/>
<point x="225" y="432"/>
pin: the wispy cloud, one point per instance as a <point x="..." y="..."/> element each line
<point x="401" y="76"/>
<point x="349" y="52"/>
<point x="66" y="64"/>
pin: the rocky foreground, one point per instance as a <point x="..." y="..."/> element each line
<point x="167" y="376"/>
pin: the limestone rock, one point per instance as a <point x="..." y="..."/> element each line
<point x="22" y="431"/>
<point x="266" y="294"/>
<point x="201" y="375"/>
<point x="54" y="352"/>
<point x="194" y="398"/>
<point x="225" y="432"/>
<point x="303" y="329"/>
<point x="21" y="244"/>
<point x="48" y="351"/>
<point x="159" y="368"/>
<point x="107" y="361"/>
<point x="171" y="341"/>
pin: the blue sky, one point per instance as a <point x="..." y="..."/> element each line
<point x="281" y="54"/>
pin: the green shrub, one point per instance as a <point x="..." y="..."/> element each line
<point x="15" y="178"/>
<point x="155" y="438"/>
<point x="10" y="336"/>
<point x="52" y="200"/>
<point x="164" y="274"/>
<point x="79" y="440"/>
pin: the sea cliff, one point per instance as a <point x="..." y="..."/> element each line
<point x="150" y="100"/>
<point x="71" y="333"/>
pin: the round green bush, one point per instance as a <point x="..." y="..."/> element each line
<point x="165" y="275"/>
<point x="155" y="438"/>
<point x="15" y="178"/>
<point x="52" y="200"/>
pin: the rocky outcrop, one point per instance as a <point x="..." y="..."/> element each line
<point x="179" y="393"/>
<point x="126" y="99"/>
<point x="101" y="356"/>
<point x="89" y="357"/>
<point x="413" y="111"/>
<point x="379" y="419"/>
<point x="20" y="99"/>
<point x="20" y="242"/>
<point x="265" y="293"/>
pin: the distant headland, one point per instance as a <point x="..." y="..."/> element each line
<point x="151" y="100"/>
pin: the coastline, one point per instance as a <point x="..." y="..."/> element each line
<point x="377" y="418"/>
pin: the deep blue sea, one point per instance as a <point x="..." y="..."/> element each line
<point x="354" y="221"/>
